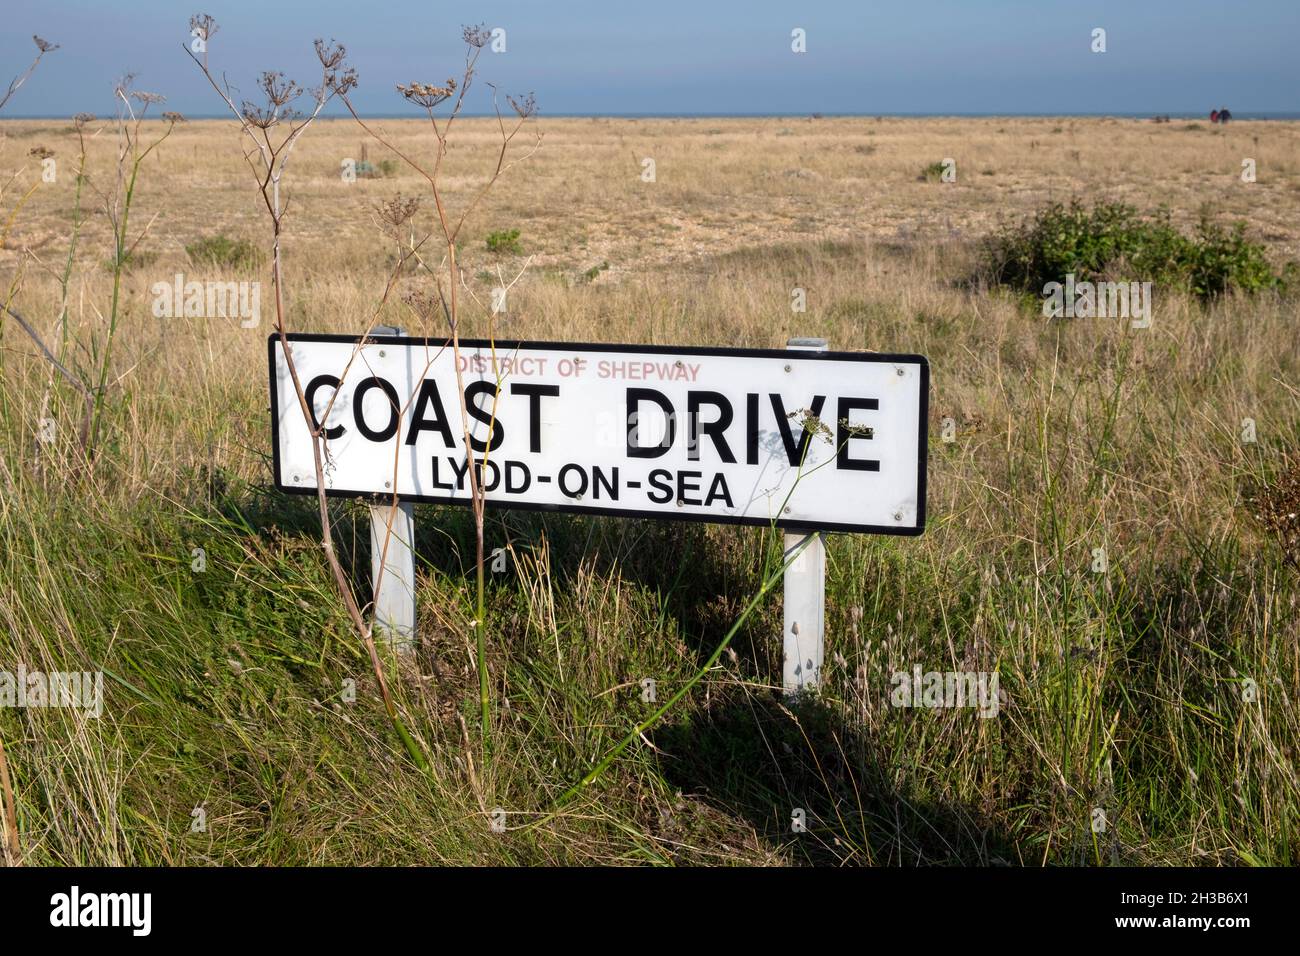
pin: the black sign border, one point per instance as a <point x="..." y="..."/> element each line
<point x="802" y="355"/>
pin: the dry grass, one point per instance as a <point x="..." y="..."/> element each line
<point x="1124" y="687"/>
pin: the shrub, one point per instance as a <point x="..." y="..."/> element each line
<point x="224" y="252"/>
<point x="594" y="272"/>
<point x="1113" y="239"/>
<point x="932" y="173"/>
<point x="504" y="241"/>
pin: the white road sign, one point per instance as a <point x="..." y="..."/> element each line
<point x="832" y="441"/>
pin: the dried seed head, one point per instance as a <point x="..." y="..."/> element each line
<point x="45" y="46"/>
<point x="525" y="106"/>
<point x="147" y="98"/>
<point x="279" y="92"/>
<point x="123" y="85"/>
<point x="1277" y="509"/>
<point x="423" y="304"/>
<point x="476" y="36"/>
<point x="397" y="211"/>
<point x="427" y="95"/>
<point x="256" y="116"/>
<point x="279" y="89"/>
<point x="342" y="82"/>
<point x="339" y="77"/>
<point x="81" y="119"/>
<point x="172" y="116"/>
<point x="330" y="54"/>
<point x="203" y="26"/>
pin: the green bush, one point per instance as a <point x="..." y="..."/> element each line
<point x="932" y="173"/>
<point x="225" y="252"/>
<point x="1113" y="240"/>
<point x="594" y="272"/>
<point x="504" y="241"/>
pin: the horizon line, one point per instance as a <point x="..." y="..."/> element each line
<point x="816" y="114"/>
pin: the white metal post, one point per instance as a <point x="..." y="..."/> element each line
<point x="392" y="563"/>
<point x="392" y="575"/>
<point x="805" y="594"/>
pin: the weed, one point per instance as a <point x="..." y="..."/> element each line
<point x="591" y="274"/>
<point x="932" y="173"/>
<point x="504" y="242"/>
<point x="226" y="253"/>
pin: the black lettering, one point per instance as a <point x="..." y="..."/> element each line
<point x="635" y="396"/>
<point x="483" y="415"/>
<point x="535" y="394"/>
<point x="511" y="487"/>
<point x="436" y="482"/>
<point x="438" y="423"/>
<point x="715" y="429"/>
<point x="601" y="480"/>
<point x="321" y="381"/>
<point x="358" y="407"/>
<point x="795" y="453"/>
<point x="844" y="434"/>
<point x="570" y="469"/>
<point x="494" y="475"/>
<point x="460" y="470"/>
<point x="685" y="484"/>
<point x="718" y="489"/>
<point x="751" y="431"/>
<point x="660" y="482"/>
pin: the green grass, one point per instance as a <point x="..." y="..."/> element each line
<point x="228" y="695"/>
<point x="1124" y="689"/>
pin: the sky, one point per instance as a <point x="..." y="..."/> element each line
<point x="700" y="57"/>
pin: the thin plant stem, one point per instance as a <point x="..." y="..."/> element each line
<point x="605" y="762"/>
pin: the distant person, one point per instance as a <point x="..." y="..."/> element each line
<point x="1214" y="116"/>
<point x="1224" y="115"/>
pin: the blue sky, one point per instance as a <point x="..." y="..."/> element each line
<point x="668" y="56"/>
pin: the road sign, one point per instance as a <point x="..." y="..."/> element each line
<point x="828" y="441"/>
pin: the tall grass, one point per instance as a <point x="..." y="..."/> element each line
<point x="1126" y="690"/>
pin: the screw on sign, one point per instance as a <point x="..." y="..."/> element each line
<point x="804" y="439"/>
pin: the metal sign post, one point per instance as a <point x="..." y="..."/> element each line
<point x="392" y="563"/>
<point x="803" y="637"/>
<point x="392" y="573"/>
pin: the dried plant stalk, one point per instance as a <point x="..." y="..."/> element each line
<point x="273" y="128"/>
<point x="428" y="96"/>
